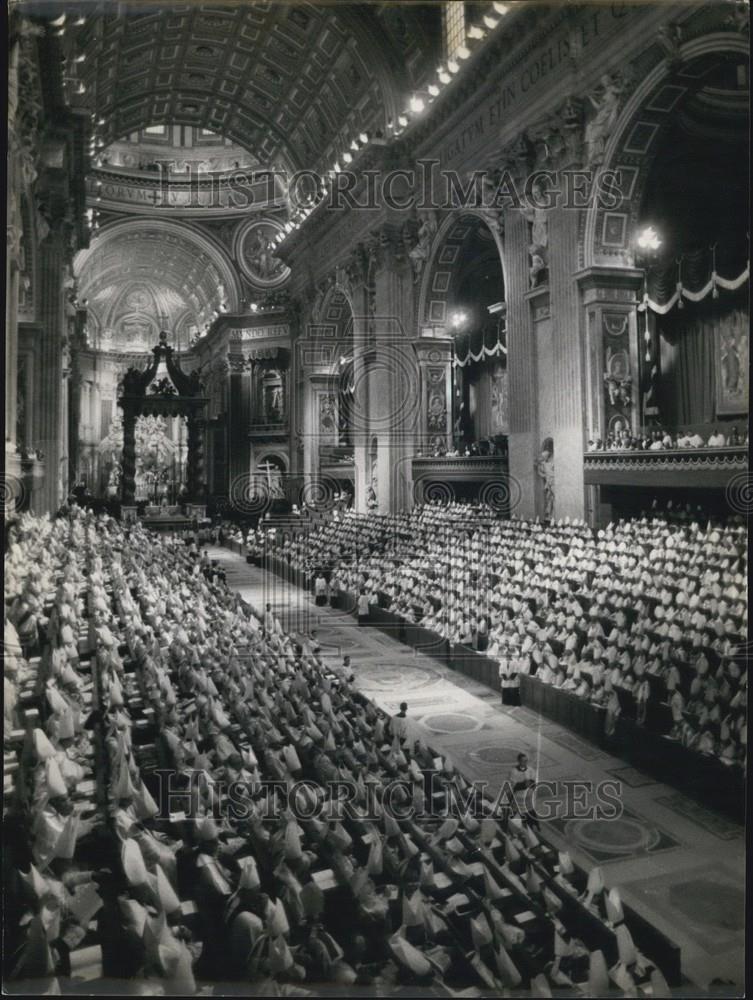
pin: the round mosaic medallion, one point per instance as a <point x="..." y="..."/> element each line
<point x="617" y="836"/>
<point x="451" y="723"/>
<point x="255" y="252"/>
<point x="506" y="756"/>
<point x="402" y="678"/>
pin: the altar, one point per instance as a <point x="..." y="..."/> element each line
<point x="173" y="394"/>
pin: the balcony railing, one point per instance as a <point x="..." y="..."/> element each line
<point x="710" y="467"/>
<point x="465" y="467"/>
<point x="267" y="428"/>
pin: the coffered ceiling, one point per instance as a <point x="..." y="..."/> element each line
<point x="140" y="277"/>
<point x="292" y="83"/>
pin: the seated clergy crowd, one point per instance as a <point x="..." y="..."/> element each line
<point x="127" y="661"/>
<point x="644" y="612"/>
<point x="663" y="439"/>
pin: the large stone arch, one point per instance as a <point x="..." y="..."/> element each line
<point x="213" y="251"/>
<point x="336" y="314"/>
<point x="445" y="251"/>
<point x="632" y="147"/>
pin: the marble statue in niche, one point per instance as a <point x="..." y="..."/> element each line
<point x="545" y="470"/>
<point x="606" y="102"/>
<point x="538" y="248"/>
<point x="419" y="254"/>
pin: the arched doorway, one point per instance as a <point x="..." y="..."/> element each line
<point x="680" y="150"/>
<point x="672" y="369"/>
<point x="463" y="297"/>
<point x="329" y="441"/>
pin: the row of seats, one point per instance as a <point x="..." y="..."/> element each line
<point x="244" y="808"/>
<point x="647" y="615"/>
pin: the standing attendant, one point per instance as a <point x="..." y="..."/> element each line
<point x="509" y="680"/>
<point x="320" y="590"/>
<point x="269" y="620"/>
<point x="364" y="608"/>
<point x="523" y="782"/>
<point x="399" y="723"/>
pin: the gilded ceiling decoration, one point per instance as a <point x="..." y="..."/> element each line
<point x="138" y="278"/>
<point x="287" y="82"/>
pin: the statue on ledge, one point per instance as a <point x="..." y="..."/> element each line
<point x="545" y="470"/>
<point x="419" y="254"/>
<point x="606" y="103"/>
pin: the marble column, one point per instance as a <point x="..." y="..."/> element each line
<point x="435" y="357"/>
<point x="128" y="470"/>
<point x="608" y="300"/>
<point x="396" y="384"/>
<point x="523" y="440"/>
<point x="238" y="426"/>
<point x="195" y="460"/>
<point x="49" y="427"/>
<point x="12" y="459"/>
<point x="362" y="355"/>
<point x="567" y="358"/>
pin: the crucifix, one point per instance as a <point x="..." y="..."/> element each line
<point x="267" y="467"/>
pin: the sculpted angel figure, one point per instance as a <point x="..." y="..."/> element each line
<point x="545" y="470"/>
<point x="599" y="128"/>
<point x="420" y="252"/>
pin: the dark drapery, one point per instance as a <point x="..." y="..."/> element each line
<point x="689" y="339"/>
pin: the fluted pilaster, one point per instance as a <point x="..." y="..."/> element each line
<point x="521" y="364"/>
<point x="48" y="427"/>
<point x="567" y="350"/>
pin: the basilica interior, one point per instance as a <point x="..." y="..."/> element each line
<point x="376" y="413"/>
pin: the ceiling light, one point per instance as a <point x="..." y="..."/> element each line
<point x="475" y="32"/>
<point x="491" y="22"/>
<point x="254" y="307"/>
<point x="363" y="137"/>
<point x="417" y="104"/>
<point x="453" y="66"/>
<point x="501" y="8"/>
<point x="402" y="121"/>
<point x="463" y="52"/>
<point x="81" y="89"/>
<point x="458" y="319"/>
<point x="444" y="76"/>
<point x="433" y="89"/>
<point x="80" y="59"/>
<point x="649" y="239"/>
<point x="347" y="158"/>
<point x="354" y="145"/>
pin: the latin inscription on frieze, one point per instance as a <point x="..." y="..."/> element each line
<point x="595" y="25"/>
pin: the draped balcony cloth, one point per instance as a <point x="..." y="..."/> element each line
<point x="712" y="286"/>
<point x="486" y="352"/>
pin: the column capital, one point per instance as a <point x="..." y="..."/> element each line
<point x="602" y="283"/>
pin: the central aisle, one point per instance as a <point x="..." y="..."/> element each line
<point x="664" y="852"/>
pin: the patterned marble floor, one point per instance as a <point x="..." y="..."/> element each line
<point x="679" y="865"/>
